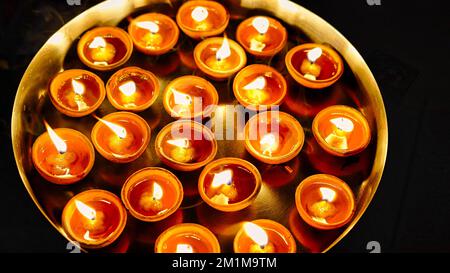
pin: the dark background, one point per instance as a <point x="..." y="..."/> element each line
<point x="406" y="45"/>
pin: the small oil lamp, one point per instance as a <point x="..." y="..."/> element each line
<point x="76" y="92"/>
<point x="94" y="218"/>
<point x="185" y="145"/>
<point x="325" y="201"/>
<point x="273" y="137"/>
<point x="259" y="85"/>
<point x="105" y="48"/>
<point x="190" y="97"/>
<point x="219" y="58"/>
<point x="314" y="65"/>
<point x="261" y="36"/>
<point x="341" y="130"/>
<point x="62" y="156"/>
<point x="132" y="89"/>
<point x="264" y="236"/>
<point x="152" y="194"/>
<point x="201" y="19"/>
<point x="187" y="238"/>
<point x="153" y="33"/>
<point x="229" y="184"/>
<point x="121" y="137"/>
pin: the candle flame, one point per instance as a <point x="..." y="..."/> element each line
<point x="148" y="25"/>
<point x="343" y="124"/>
<point x="128" y="88"/>
<point x="327" y="194"/>
<point x="222" y="178"/>
<point x="180" y="142"/>
<point x="314" y="54"/>
<point x="97" y="42"/>
<point x="261" y="24"/>
<point x="181" y="98"/>
<point x="184" y="248"/>
<point x="257" y="84"/>
<point x="199" y="14"/>
<point x="257" y="234"/>
<point x="78" y="87"/>
<point x="59" y="143"/>
<point x="269" y="143"/>
<point x="85" y="210"/>
<point x="157" y="191"/>
<point x="117" y="129"/>
<point x="224" y="51"/>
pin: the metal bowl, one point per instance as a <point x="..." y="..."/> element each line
<point x="356" y="88"/>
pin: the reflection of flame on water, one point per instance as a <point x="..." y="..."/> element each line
<point x="269" y="143"/>
<point x="184" y="248"/>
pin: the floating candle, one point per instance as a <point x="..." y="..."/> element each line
<point x="341" y="130"/>
<point x="94" y="218"/>
<point x="190" y="97"/>
<point x="314" y="65"/>
<point x="261" y="36"/>
<point x="229" y="184"/>
<point x="264" y="236"/>
<point x="187" y="238"/>
<point x="105" y="48"/>
<point x="62" y="156"/>
<point x="185" y="145"/>
<point x="325" y="201"/>
<point x="121" y="137"/>
<point x="76" y="92"/>
<point x="259" y="85"/>
<point x="132" y="89"/>
<point x="152" y="194"/>
<point x="201" y="19"/>
<point x="219" y="58"/>
<point x="154" y="33"/>
<point x="273" y="137"/>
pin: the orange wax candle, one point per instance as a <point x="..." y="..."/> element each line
<point x="314" y="65"/>
<point x="190" y="97"/>
<point x="325" y="201"/>
<point x="132" y="89"/>
<point x="185" y="145"/>
<point x="264" y="236"/>
<point x="105" y="48"/>
<point x="261" y="36"/>
<point x="341" y="130"/>
<point x="273" y="137"/>
<point x="152" y="194"/>
<point x="201" y="19"/>
<point x="259" y="85"/>
<point x="219" y="58"/>
<point x="121" y="137"/>
<point x="76" y="92"/>
<point x="63" y="156"/>
<point x="153" y="33"/>
<point x="229" y="184"/>
<point x="187" y="238"/>
<point x="94" y="218"/>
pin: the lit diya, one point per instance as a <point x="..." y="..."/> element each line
<point x="105" y="48"/>
<point x="325" y="201"/>
<point x="261" y="36"/>
<point x="77" y="92"/>
<point x="201" y="19"/>
<point x="190" y="97"/>
<point x="341" y="130"/>
<point x="132" y="89"/>
<point x="94" y="218"/>
<point x="229" y="184"/>
<point x="121" y="137"/>
<point x="187" y="238"/>
<point x="273" y="137"/>
<point x="153" y="33"/>
<point x="186" y="145"/>
<point x="63" y="156"/>
<point x="264" y="236"/>
<point x="152" y="194"/>
<point x="314" y="65"/>
<point x="219" y="58"/>
<point x="259" y="85"/>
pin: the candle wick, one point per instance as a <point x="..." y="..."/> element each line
<point x="219" y="59"/>
<point x="262" y="246"/>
